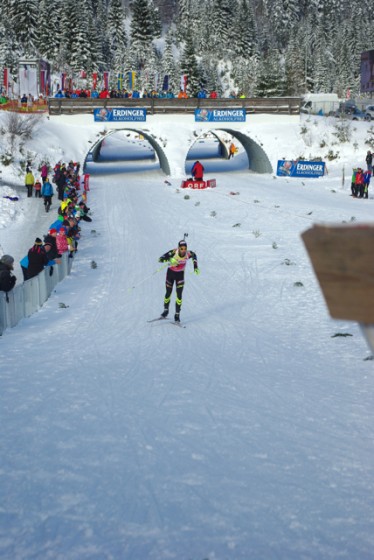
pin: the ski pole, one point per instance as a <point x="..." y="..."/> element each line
<point x="150" y="275"/>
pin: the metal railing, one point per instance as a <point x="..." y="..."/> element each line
<point x="29" y="297"/>
<point x="277" y="105"/>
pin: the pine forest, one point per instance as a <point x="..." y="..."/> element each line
<point x="256" y="47"/>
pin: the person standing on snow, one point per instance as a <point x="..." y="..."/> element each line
<point x="175" y="273"/>
<point x="47" y="193"/>
<point x="197" y="171"/>
<point x="29" y="182"/>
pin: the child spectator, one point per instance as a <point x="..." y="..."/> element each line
<point x="37" y="188"/>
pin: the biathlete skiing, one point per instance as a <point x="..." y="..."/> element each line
<point x="175" y="273"/>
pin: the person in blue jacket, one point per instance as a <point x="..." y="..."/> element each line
<point x="59" y="94"/>
<point x="47" y="193"/>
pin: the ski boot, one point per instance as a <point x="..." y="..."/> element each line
<point x="176" y="318"/>
<point x="165" y="313"/>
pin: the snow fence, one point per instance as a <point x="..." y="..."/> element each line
<point x="29" y="297"/>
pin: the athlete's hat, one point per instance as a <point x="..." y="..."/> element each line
<point x="182" y="243"/>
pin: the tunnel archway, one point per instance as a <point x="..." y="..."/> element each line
<point x="257" y="157"/>
<point x="94" y="153"/>
<point x="172" y="164"/>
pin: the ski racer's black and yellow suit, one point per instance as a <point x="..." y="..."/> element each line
<point x="175" y="273"/>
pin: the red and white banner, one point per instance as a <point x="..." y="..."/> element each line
<point x="94" y="80"/>
<point x="184" y="81"/>
<point x="6" y="80"/>
<point x="106" y="80"/>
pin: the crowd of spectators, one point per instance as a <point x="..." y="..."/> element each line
<point x="63" y="233"/>
<point x="361" y="178"/>
<point x="136" y="94"/>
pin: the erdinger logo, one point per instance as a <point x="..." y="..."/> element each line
<point x="103" y="114"/>
<point x="203" y="115"/>
<point x="285" y="169"/>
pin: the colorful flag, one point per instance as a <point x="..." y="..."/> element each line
<point x="165" y="84"/>
<point x="106" y="80"/>
<point x="94" y="80"/>
<point x="6" y="80"/>
<point x="119" y="81"/>
<point x="184" y="80"/>
<point x="131" y="79"/>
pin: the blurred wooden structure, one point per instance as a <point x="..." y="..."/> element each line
<point x="343" y="260"/>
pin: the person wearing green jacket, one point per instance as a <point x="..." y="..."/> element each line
<point x="29" y="183"/>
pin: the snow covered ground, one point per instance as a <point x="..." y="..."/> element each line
<point x="249" y="434"/>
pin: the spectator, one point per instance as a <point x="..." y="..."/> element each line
<point x="38" y="259"/>
<point x="50" y="245"/>
<point x="30" y="102"/>
<point x="37" y="188"/>
<point x="44" y="172"/>
<point x="47" y="193"/>
<point x="29" y="183"/>
<point x="359" y="183"/>
<point x="353" y="182"/>
<point x="83" y="212"/>
<point x="197" y="171"/>
<point x="369" y="161"/>
<point x="7" y="278"/>
<point x="213" y="94"/>
<point x="367" y="177"/>
<point x="201" y="94"/>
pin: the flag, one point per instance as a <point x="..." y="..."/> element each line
<point x="6" y="80"/>
<point x="106" y="80"/>
<point x="63" y="77"/>
<point x="94" y="80"/>
<point x="131" y="78"/>
<point x="119" y="81"/>
<point x="165" y="83"/>
<point x="83" y="74"/>
<point x="184" y="80"/>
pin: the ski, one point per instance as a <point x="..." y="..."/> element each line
<point x="157" y="319"/>
<point x="171" y="322"/>
<point x="177" y="324"/>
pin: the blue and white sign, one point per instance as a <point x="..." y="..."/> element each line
<point x="288" y="168"/>
<point x="220" y="115"/>
<point x="120" y="114"/>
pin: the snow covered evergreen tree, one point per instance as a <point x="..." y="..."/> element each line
<point x="189" y="66"/>
<point x="116" y="34"/>
<point x="24" y="19"/>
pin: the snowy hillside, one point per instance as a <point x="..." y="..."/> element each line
<point x="248" y="434"/>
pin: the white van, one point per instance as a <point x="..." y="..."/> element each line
<point x="320" y="103"/>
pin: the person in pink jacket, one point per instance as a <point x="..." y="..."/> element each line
<point x="62" y="241"/>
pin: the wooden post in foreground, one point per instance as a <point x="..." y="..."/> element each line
<point x="343" y="261"/>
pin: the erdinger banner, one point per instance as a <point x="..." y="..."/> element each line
<point x="119" y="115"/>
<point x="288" y="168"/>
<point x="220" y="115"/>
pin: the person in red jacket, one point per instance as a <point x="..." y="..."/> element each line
<point x="359" y="183"/>
<point x="197" y="171"/>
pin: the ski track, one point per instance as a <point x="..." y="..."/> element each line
<point x="163" y="447"/>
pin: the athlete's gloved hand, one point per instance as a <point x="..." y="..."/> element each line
<point x="197" y="271"/>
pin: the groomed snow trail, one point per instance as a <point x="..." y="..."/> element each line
<point x="249" y="434"/>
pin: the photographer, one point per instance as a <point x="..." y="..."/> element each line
<point x="7" y="278"/>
